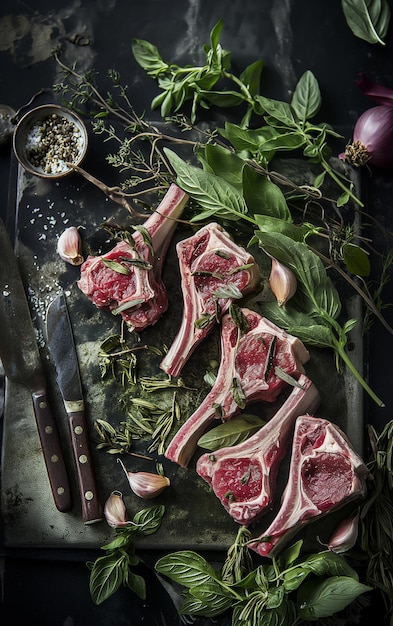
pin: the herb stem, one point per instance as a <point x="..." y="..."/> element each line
<point x="344" y="356"/>
<point x="329" y="170"/>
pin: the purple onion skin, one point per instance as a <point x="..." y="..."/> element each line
<point x="380" y="94"/>
<point x="374" y="129"/>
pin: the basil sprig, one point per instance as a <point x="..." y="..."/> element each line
<point x="287" y="591"/>
<point x="115" y="568"/>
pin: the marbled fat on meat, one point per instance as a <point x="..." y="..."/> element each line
<point x="209" y="262"/>
<point x="137" y="292"/>
<point x="249" y="358"/>
<point x="325" y="473"/>
<point x="243" y="476"/>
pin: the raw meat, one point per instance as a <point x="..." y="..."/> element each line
<point x="246" y="373"/>
<point x="244" y="476"/>
<point x="138" y="294"/>
<point x="210" y="263"/>
<point x="325" y="473"/>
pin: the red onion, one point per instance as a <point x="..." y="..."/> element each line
<point x="372" y="139"/>
<point x="377" y="93"/>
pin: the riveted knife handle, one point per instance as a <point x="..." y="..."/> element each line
<point x="91" y="507"/>
<point x="53" y="455"/>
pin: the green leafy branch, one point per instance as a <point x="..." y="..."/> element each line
<point x="315" y="318"/>
<point x="195" y="84"/>
<point x="289" y="591"/>
<point x="116" y="567"/>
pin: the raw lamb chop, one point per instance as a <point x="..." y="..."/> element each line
<point x="246" y="373"/>
<point x="325" y="473"/>
<point x="210" y="264"/>
<point x="127" y="280"/>
<point x="244" y="476"/>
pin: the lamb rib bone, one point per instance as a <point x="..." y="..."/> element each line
<point x="208" y="263"/>
<point x="325" y="474"/>
<point x="138" y="294"/>
<point x="248" y="361"/>
<point x="243" y="477"/>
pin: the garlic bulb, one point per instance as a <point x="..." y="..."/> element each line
<point x="69" y="246"/>
<point x="115" y="510"/>
<point x="282" y="282"/>
<point x="145" y="484"/>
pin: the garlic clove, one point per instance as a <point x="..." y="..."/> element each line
<point x="146" y="484"/>
<point x="69" y="246"/>
<point x="115" y="510"/>
<point x="282" y="282"/>
<point x="345" y="535"/>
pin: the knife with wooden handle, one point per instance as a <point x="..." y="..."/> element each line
<point x="22" y="364"/>
<point x="63" y="353"/>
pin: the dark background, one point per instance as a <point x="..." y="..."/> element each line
<point x="291" y="37"/>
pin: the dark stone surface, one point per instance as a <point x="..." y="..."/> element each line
<point x="290" y="37"/>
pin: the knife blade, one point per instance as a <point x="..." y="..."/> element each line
<point x="61" y="343"/>
<point x="22" y="364"/>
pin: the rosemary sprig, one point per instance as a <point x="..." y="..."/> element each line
<point x="376" y="520"/>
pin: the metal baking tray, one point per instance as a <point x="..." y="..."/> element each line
<point x="194" y="517"/>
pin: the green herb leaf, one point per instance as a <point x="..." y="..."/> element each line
<point x="264" y="197"/>
<point x="356" y="259"/>
<point x="317" y="599"/>
<point x="148" y="57"/>
<point x="278" y="111"/>
<point x="107" y="574"/>
<point x="367" y="19"/>
<point x="251" y="77"/>
<point x="232" y="432"/>
<point x="187" y="568"/>
<point x="214" y="194"/>
<point x="116" y="267"/>
<point x="136" y="583"/>
<point x="224" y="163"/>
<point x="306" y="99"/>
<point x="149" y="520"/>
<point x="313" y="280"/>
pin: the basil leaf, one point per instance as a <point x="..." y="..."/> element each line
<point x="223" y="99"/>
<point x="278" y="110"/>
<point x="136" y="583"/>
<point x="328" y="563"/>
<point x="148" y="520"/>
<point x="224" y="163"/>
<point x="289" y="556"/>
<point x="306" y="99"/>
<point x="298" y="324"/>
<point x="356" y="259"/>
<point x="107" y="574"/>
<point x="214" y="194"/>
<point x="367" y="19"/>
<point x="317" y="599"/>
<point x="232" y="432"/>
<point x="324" y="564"/>
<point x="243" y="139"/>
<point x="187" y="568"/>
<point x="314" y="282"/>
<point x="268" y="224"/>
<point x="148" y="57"/>
<point x="208" y="606"/>
<point x="251" y="77"/>
<point x="291" y="140"/>
<point x="264" y="196"/>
